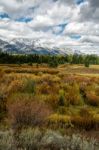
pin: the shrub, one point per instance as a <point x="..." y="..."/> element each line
<point x="87" y="64"/>
<point x="2" y="106"/>
<point x="72" y="95"/>
<point x="29" y="86"/>
<point x="84" y="112"/>
<point x="53" y="140"/>
<point x="61" y="101"/>
<point x="53" y="100"/>
<point x="1" y="73"/>
<point x="62" y="110"/>
<point x="28" y="114"/>
<point x="14" y="86"/>
<point x="85" y="120"/>
<point x="44" y="89"/>
<point x="29" y="139"/>
<point x="78" y="142"/>
<point x="53" y="63"/>
<point x="6" y="140"/>
<point x="97" y="91"/>
<point x="34" y="139"/>
<point x="30" y="64"/>
<point x="59" y="121"/>
<point x="92" y="98"/>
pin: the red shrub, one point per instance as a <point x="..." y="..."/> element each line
<point x="28" y="114"/>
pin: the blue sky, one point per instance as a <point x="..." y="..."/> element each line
<point x="61" y="22"/>
<point x="79" y="1"/>
<point x="24" y="19"/>
<point x="3" y="15"/>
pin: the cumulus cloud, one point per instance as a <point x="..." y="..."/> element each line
<point x="69" y="23"/>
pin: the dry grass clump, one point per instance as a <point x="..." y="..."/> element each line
<point x="92" y="99"/>
<point x="1" y="73"/>
<point x="84" y="123"/>
<point x="47" y="89"/>
<point x="25" y="85"/>
<point x="53" y="100"/>
<point x="44" y="89"/>
<point x="59" y="121"/>
<point x="92" y="95"/>
<point x="2" y="107"/>
<point x="14" y="86"/>
<point x="6" y="85"/>
<point x="6" y="140"/>
<point x="97" y="91"/>
<point x="85" y="112"/>
<point x="85" y="120"/>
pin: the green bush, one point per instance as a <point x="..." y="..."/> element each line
<point x="61" y="101"/>
<point x="87" y="64"/>
<point x="53" y="63"/>
<point x="29" y="86"/>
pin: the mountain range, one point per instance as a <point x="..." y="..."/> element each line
<point x="34" y="46"/>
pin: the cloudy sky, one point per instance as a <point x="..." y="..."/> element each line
<point x="69" y="23"/>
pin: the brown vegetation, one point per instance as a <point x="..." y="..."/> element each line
<point x="53" y="97"/>
<point x="28" y="114"/>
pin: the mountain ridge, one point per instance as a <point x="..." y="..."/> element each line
<point x="35" y="46"/>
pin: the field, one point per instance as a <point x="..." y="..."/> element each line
<point x="39" y="101"/>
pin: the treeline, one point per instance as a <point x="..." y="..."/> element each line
<point x="6" y="58"/>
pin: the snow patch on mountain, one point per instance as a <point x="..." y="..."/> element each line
<point x="38" y="46"/>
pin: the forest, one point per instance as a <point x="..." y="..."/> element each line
<point x="52" y="60"/>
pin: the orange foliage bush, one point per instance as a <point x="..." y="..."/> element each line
<point x="92" y="98"/>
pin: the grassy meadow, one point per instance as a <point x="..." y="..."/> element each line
<point x="43" y="108"/>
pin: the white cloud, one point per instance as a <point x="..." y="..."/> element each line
<point x="83" y="20"/>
